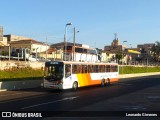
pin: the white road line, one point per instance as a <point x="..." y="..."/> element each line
<point x="69" y="98"/>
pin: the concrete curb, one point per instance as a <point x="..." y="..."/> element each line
<point x="17" y="85"/>
<point x="138" y="75"/>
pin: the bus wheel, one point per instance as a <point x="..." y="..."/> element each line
<point x="103" y="82"/>
<point x="75" y="86"/>
<point x="108" y="82"/>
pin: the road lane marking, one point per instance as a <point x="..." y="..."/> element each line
<point x="134" y="107"/>
<point x="69" y="98"/>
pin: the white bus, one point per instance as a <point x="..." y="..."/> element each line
<point x="76" y="53"/>
<point x="71" y="75"/>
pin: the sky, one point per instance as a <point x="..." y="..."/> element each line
<point x="134" y="21"/>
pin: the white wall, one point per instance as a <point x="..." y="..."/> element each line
<point x="39" y="48"/>
<point x="4" y="41"/>
<point x="107" y="58"/>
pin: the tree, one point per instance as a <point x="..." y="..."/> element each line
<point x="118" y="57"/>
<point x="156" y="51"/>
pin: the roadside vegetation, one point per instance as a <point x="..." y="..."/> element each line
<point x="21" y="74"/>
<point x="37" y="74"/>
<point x="133" y="70"/>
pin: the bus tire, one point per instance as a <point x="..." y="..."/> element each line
<point x="107" y="82"/>
<point x="75" y="86"/>
<point x="103" y="83"/>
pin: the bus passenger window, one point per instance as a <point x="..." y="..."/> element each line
<point x="102" y="67"/>
<point x="84" y="69"/>
<point x="107" y="68"/>
<point x="74" y="69"/>
<point x="96" y="69"/>
<point x="93" y="68"/>
<point x="112" y="68"/>
<point x="68" y="70"/>
<point x="79" y="68"/>
<point x="116" y="68"/>
<point x="90" y="69"/>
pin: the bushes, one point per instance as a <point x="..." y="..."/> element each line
<point x="21" y="73"/>
<point x="132" y="69"/>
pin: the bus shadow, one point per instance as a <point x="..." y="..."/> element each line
<point x="86" y="88"/>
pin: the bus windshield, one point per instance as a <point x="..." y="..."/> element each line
<point x="54" y="72"/>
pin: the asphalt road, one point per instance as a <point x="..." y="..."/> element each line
<point x="136" y="94"/>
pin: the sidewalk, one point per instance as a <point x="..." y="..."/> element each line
<point x="138" y="75"/>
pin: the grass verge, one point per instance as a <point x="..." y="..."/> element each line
<point x="21" y="74"/>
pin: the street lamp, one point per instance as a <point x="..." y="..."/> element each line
<point x="9" y="51"/>
<point x="122" y="55"/>
<point x="65" y="35"/>
<point x="74" y="40"/>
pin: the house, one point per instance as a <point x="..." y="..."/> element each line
<point x="127" y="54"/>
<point x="6" y="41"/>
<point x="11" y="43"/>
<point x="33" y="46"/>
<point x="4" y="46"/>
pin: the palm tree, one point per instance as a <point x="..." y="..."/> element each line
<point x="156" y="51"/>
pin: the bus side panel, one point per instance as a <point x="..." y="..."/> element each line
<point x="95" y="78"/>
<point x="85" y="80"/>
<point x="80" y="80"/>
<point x="93" y="82"/>
<point x="99" y="76"/>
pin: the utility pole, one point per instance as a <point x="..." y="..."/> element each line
<point x="1" y="33"/>
<point x="46" y="48"/>
<point x="74" y="40"/>
<point x="65" y="38"/>
<point x="122" y="55"/>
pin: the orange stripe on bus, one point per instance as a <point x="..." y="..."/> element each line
<point x="113" y="80"/>
<point x="85" y="80"/>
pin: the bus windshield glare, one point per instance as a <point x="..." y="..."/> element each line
<point x="54" y="72"/>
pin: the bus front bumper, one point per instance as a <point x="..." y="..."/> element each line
<point x="52" y="86"/>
